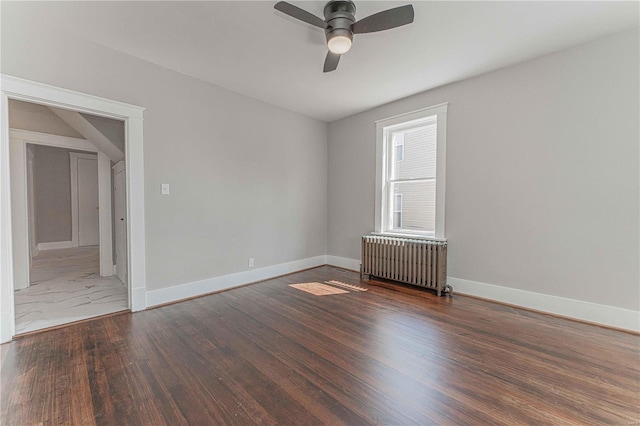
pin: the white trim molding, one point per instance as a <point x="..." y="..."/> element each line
<point x="55" y="245"/>
<point x="19" y="214"/>
<point x="571" y="308"/>
<point x="134" y="179"/>
<point x="7" y="321"/>
<point x="30" y="91"/>
<point x="226" y="282"/>
<point x="38" y="138"/>
<point x="408" y="237"/>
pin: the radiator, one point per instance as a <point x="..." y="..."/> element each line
<point x="418" y="262"/>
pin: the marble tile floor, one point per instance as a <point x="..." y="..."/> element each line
<point x="66" y="286"/>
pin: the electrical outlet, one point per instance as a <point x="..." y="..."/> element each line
<point x="165" y="189"/>
<point x="251" y="262"/>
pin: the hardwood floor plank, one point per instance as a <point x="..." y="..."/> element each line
<point x="81" y="406"/>
<point x="409" y="392"/>
<point x="272" y="354"/>
<point x="285" y="370"/>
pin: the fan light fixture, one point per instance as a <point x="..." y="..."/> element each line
<point x="339" y="44"/>
<point x="339" y="24"/>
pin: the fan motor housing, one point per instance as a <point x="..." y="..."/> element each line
<point x="339" y="16"/>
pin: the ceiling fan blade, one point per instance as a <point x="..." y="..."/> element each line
<point x="331" y="62"/>
<point x="384" y="20"/>
<point x="301" y="14"/>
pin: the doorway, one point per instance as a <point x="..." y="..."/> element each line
<point x="69" y="275"/>
<point x="30" y="91"/>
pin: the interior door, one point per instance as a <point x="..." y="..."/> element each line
<point x="120" y="219"/>
<point x="88" y="202"/>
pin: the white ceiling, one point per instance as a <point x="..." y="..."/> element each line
<point x="251" y="49"/>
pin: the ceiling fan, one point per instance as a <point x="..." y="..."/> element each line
<point x="340" y="24"/>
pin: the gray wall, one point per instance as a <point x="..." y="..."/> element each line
<point x="247" y="179"/>
<point x="38" y="118"/>
<point x="52" y="193"/>
<point x="542" y="174"/>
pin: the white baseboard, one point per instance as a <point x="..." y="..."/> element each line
<point x="344" y="262"/>
<point x="592" y="312"/>
<point x="571" y="308"/>
<point x="55" y="245"/>
<point x="197" y="288"/>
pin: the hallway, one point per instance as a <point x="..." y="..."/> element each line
<point x="66" y="287"/>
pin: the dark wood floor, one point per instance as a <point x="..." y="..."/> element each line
<point x="268" y="353"/>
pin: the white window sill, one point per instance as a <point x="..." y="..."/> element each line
<point x="408" y="236"/>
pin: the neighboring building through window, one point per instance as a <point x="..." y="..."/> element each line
<point x="397" y="211"/>
<point x="410" y="173"/>
<point x="398" y="146"/>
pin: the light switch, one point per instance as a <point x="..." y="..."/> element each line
<point x="165" y="189"/>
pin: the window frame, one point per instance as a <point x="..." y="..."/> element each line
<point x="383" y="212"/>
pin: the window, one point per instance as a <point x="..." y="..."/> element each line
<point x="410" y="173"/>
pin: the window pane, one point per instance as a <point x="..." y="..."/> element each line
<point x="418" y="206"/>
<point x="417" y="157"/>
<point x="398" y="146"/>
<point x="397" y="204"/>
<point x="399" y="152"/>
<point x="397" y="220"/>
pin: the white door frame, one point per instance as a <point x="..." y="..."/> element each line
<point x="29" y="91"/>
<point x="19" y="139"/>
<point x="18" y="176"/>
<point x="118" y="168"/>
